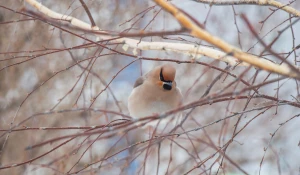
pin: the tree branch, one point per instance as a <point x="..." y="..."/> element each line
<point x="231" y="50"/>
<point x="273" y="3"/>
<point x="187" y="49"/>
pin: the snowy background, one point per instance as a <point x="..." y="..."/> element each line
<point x="51" y="89"/>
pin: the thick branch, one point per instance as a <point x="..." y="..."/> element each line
<point x="187" y="49"/>
<point x="236" y="52"/>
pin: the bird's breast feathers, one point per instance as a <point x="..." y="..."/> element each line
<point x="145" y="103"/>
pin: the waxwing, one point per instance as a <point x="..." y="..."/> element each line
<point x="155" y="93"/>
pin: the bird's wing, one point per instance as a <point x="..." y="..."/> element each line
<point x="138" y="82"/>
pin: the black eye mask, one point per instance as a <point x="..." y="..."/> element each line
<point x="167" y="85"/>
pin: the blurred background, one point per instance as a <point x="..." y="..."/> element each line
<point x="53" y="79"/>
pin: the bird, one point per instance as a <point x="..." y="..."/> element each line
<point x="154" y="93"/>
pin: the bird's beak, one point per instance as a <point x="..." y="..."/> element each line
<point x="167" y="85"/>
